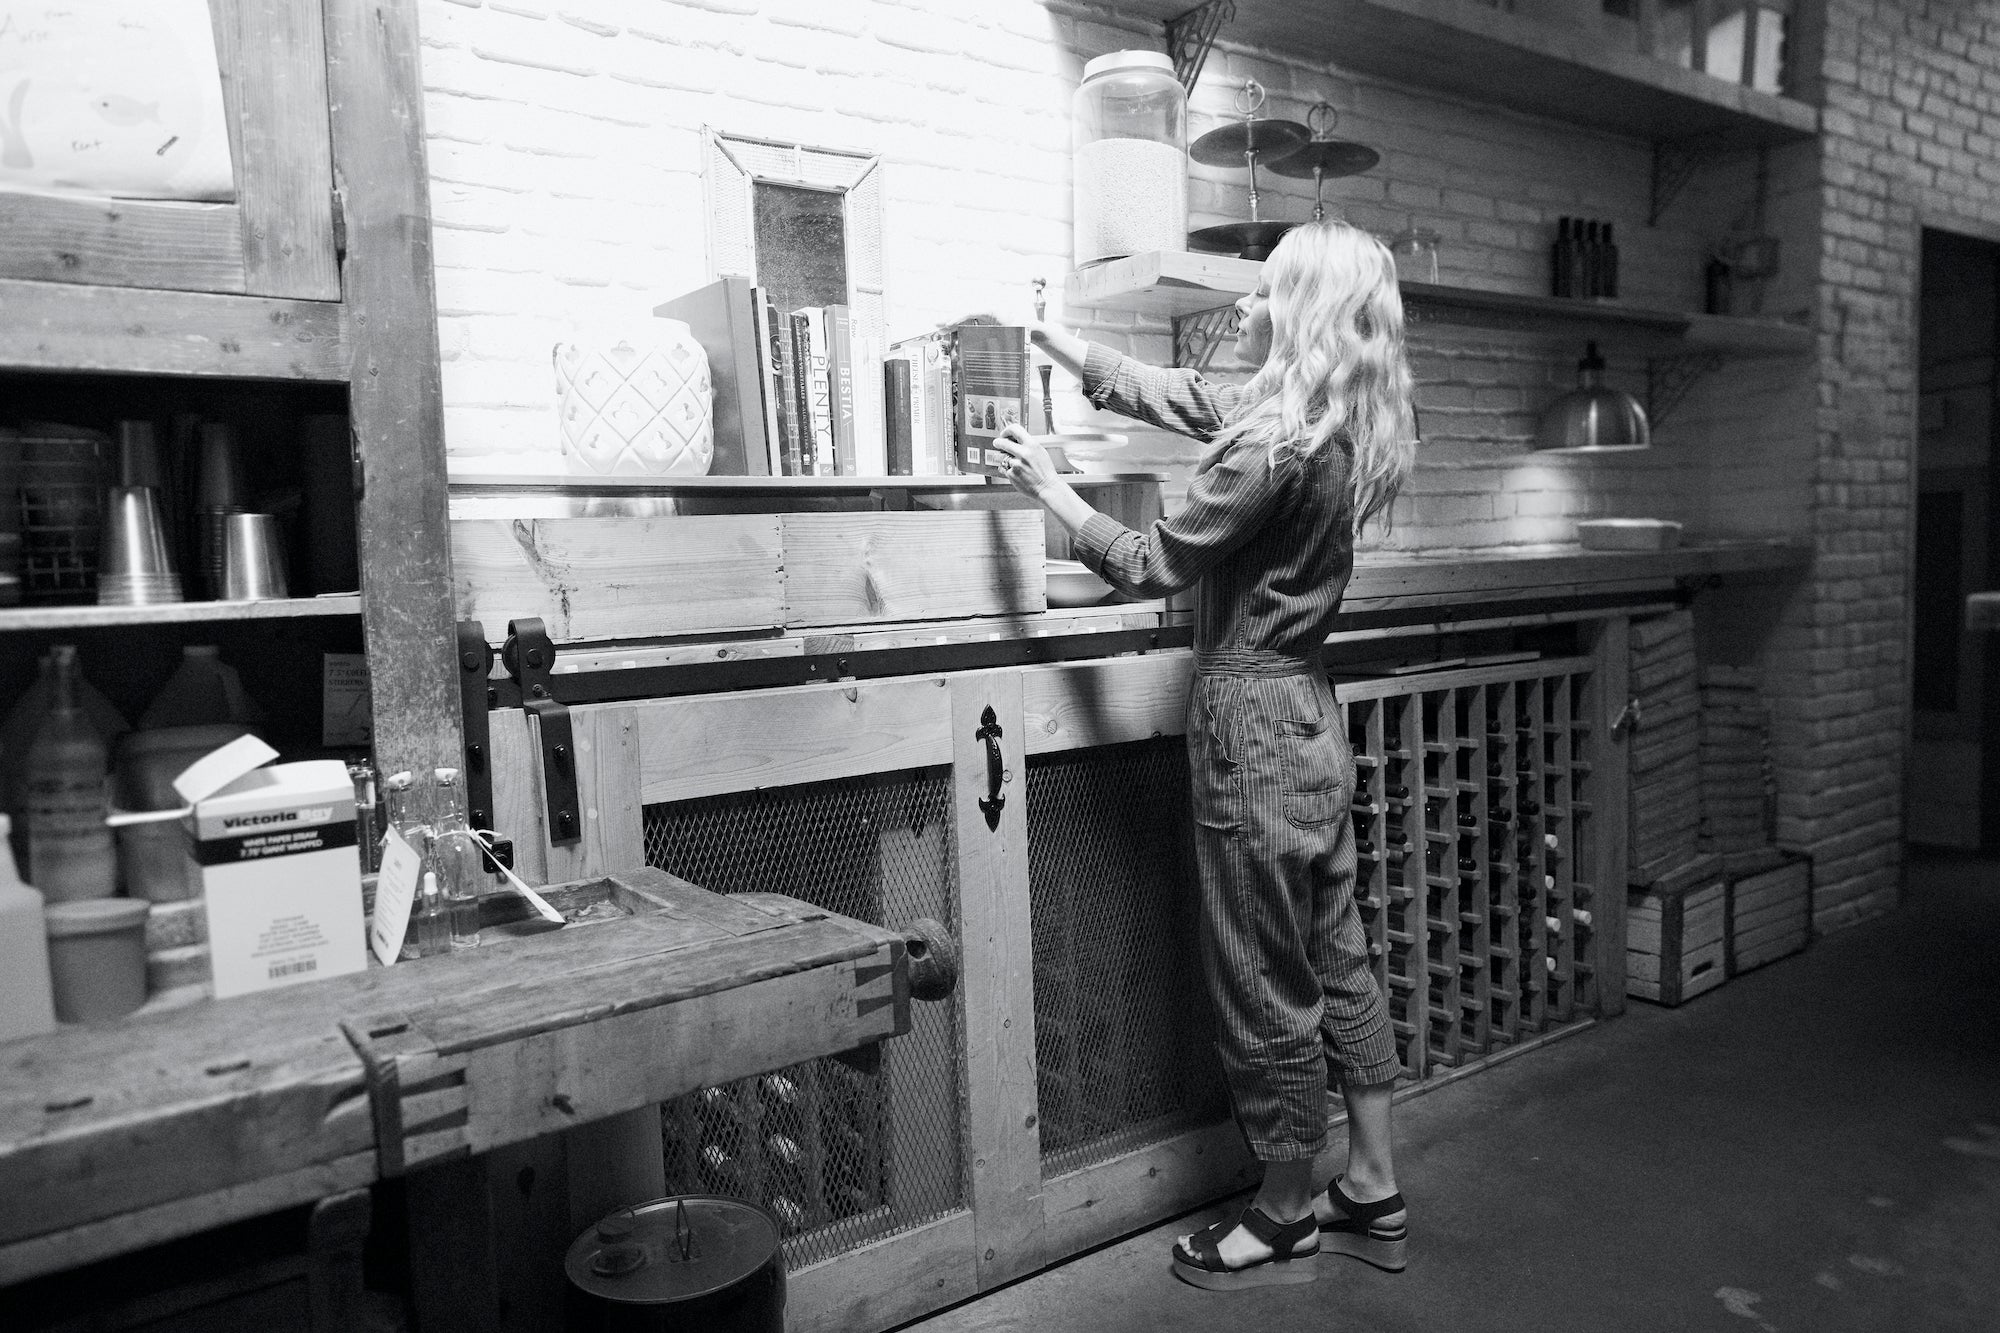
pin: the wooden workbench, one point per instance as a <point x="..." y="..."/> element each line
<point x="121" y="1135"/>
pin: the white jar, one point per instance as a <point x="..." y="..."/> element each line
<point x="1128" y="143"/>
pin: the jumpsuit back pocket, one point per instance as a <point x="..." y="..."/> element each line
<point x="1314" y="782"/>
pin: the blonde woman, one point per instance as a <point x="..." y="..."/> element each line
<point x="1315" y="445"/>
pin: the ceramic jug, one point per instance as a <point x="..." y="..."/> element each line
<point x="636" y="404"/>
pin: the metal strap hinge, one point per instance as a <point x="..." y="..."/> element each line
<point x="529" y="658"/>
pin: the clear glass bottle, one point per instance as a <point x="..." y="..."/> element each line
<point x="429" y="930"/>
<point x="70" y="851"/>
<point x="1128" y="145"/>
<point x="458" y="861"/>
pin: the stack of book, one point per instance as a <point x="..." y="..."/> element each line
<point x="1665" y="761"/>
<point x="805" y="393"/>
<point x="1735" y="781"/>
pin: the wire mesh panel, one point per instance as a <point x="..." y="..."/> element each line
<point x="1121" y="1028"/>
<point x="840" y="1156"/>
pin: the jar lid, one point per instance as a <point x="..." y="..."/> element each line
<point x="1113" y="61"/>
<point x="95" y="916"/>
<point x="673" y="1250"/>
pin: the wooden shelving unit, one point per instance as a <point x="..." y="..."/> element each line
<point x="176" y="613"/>
<point x="1568" y="72"/>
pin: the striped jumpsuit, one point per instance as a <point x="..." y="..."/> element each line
<point x="1269" y="548"/>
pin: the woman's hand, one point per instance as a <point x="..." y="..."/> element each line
<point x="1028" y="464"/>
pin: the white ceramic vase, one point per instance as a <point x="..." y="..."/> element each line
<point x="638" y="404"/>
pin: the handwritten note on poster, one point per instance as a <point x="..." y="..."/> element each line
<point x="112" y="97"/>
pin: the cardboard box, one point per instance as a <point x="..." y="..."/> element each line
<point x="277" y="857"/>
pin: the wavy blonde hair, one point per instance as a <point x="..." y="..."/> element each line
<point x="1337" y="369"/>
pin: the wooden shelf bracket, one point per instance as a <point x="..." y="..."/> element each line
<point x="1191" y="36"/>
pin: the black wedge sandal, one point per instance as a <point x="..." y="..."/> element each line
<point x="1362" y="1235"/>
<point x="1286" y="1266"/>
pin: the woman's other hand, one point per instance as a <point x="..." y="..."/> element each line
<point x="1028" y="464"/>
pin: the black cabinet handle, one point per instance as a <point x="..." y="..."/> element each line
<point x="991" y="804"/>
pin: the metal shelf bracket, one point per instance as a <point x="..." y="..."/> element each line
<point x="1191" y="36"/>
<point x="1668" y="378"/>
<point x="1673" y="168"/>
<point x="1197" y="336"/>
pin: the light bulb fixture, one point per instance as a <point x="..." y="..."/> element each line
<point x="1593" y="418"/>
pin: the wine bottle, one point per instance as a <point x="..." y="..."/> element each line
<point x="1587" y="261"/>
<point x="1607" y="280"/>
<point x="1559" y="261"/>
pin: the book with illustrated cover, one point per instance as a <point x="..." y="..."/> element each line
<point x="991" y="389"/>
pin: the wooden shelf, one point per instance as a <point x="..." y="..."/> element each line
<point x="139" y="331"/>
<point x="1177" y="285"/>
<point x="175" y="613"/>
<point x="1568" y="72"/>
<point x="465" y="483"/>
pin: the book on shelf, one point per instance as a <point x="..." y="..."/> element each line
<point x="896" y="413"/>
<point x="784" y="392"/>
<point x="774" y="445"/>
<point x="723" y="316"/>
<point x="871" y="450"/>
<point x="930" y="398"/>
<point x="840" y="367"/>
<point x="815" y="387"/>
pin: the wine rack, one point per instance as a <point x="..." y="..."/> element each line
<point x="1472" y="814"/>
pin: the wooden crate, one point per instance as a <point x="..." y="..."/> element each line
<point x="1676" y="932"/>
<point x="1770" y="910"/>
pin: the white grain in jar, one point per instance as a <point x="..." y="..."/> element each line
<point x="1131" y="197"/>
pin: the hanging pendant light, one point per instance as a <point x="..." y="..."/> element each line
<point x="1593" y="418"/>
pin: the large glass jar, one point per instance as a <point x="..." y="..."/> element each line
<point x="1128" y="141"/>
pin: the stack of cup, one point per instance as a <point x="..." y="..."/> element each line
<point x="218" y="494"/>
<point x="135" y="567"/>
<point x="253" y="563"/>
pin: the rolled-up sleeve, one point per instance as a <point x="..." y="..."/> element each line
<point x="1178" y="400"/>
<point x="1226" y="505"/>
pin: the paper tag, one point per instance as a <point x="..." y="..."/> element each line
<point x="345" y="713"/>
<point x="395" y="891"/>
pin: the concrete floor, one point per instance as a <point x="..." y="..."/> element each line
<point x="1812" y="1148"/>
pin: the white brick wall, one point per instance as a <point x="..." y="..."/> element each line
<point x="565" y="152"/>
<point x="567" y="196"/>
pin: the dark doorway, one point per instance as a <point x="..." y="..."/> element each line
<point x="1952" y="787"/>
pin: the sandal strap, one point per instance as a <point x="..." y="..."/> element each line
<point x="1281" y="1237"/>
<point x="1363" y="1212"/>
<point x="1205" y="1247"/>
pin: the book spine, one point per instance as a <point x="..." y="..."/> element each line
<point x="802" y="382"/>
<point x="896" y="410"/>
<point x="918" y="410"/>
<point x="871" y="427"/>
<point x="937" y="369"/>
<point x="819" y="393"/>
<point x="784" y="390"/>
<point x="759" y="355"/>
<point x="840" y="369"/>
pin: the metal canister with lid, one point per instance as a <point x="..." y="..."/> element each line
<point x="694" y="1262"/>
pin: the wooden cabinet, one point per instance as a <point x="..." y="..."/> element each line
<point x="280" y="235"/>
<point x="1067" y="1093"/>
<point x="315" y="275"/>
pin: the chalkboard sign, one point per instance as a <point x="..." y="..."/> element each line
<point x="801" y="244"/>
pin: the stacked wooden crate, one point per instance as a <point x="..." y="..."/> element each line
<point x="1770" y="906"/>
<point x="1735" y="778"/>
<point x="1677" y="933"/>
<point x="1665" y="760"/>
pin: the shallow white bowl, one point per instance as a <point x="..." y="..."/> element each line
<point x="1629" y="534"/>
<point x="1070" y="584"/>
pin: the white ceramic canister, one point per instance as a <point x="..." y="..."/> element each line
<point x="637" y="403"/>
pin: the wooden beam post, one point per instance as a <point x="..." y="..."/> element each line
<point x="395" y="399"/>
<point x="1609" y="642"/>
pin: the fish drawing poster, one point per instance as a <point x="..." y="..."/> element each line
<point x="112" y="97"/>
